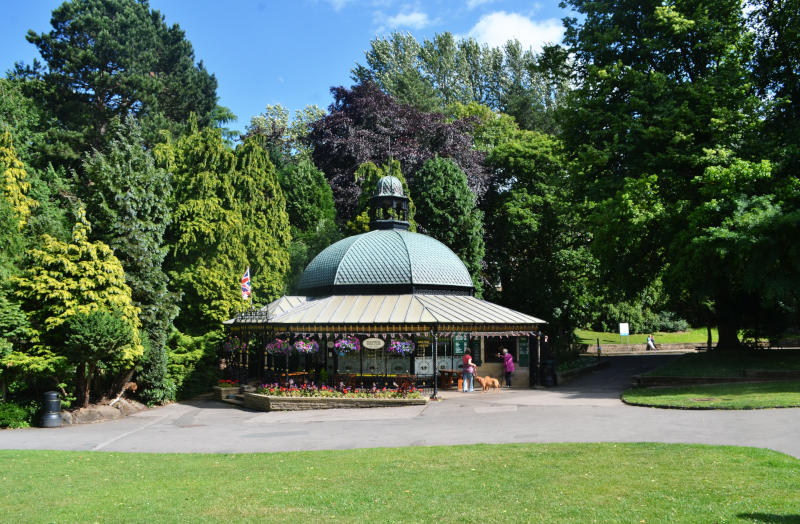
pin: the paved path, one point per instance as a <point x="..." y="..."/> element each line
<point x="587" y="410"/>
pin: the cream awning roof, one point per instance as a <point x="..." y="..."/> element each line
<point x="388" y="313"/>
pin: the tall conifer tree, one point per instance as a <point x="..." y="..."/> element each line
<point x="229" y="214"/>
<point x="128" y="205"/>
<point x="446" y="211"/>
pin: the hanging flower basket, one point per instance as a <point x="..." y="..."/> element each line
<point x="278" y="345"/>
<point x="400" y="347"/>
<point x="235" y="344"/>
<point x="347" y="345"/>
<point x="305" y="345"/>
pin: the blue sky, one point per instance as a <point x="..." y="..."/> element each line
<point x="292" y="52"/>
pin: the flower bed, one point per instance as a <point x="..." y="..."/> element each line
<point x="260" y="402"/>
<point x="311" y="390"/>
<point x="278" y="398"/>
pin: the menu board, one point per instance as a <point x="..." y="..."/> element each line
<point x="524" y="357"/>
<point x="475" y="346"/>
<point x="459" y="343"/>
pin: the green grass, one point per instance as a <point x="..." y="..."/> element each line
<point x="482" y="483"/>
<point x="698" y="336"/>
<point x="729" y="363"/>
<point x="719" y="396"/>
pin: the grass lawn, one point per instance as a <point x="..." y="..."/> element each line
<point x="698" y="336"/>
<point x="729" y="364"/>
<point x="483" y="483"/>
<point x="721" y="396"/>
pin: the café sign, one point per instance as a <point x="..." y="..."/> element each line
<point x="373" y="343"/>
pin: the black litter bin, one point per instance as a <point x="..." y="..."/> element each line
<point x="51" y="411"/>
<point x="548" y="373"/>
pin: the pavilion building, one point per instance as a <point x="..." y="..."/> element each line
<point x="387" y="285"/>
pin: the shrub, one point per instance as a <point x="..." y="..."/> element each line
<point x="669" y="322"/>
<point x="640" y="319"/>
<point x="14" y="416"/>
<point x="156" y="386"/>
<point x="193" y="365"/>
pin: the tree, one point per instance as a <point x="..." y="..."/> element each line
<point x="777" y="76"/>
<point x="309" y="199"/>
<point x="127" y="200"/>
<point x="15" y="334"/>
<point x="66" y="279"/>
<point x="15" y="180"/>
<point x="366" y="125"/>
<point x="20" y="116"/>
<point x="491" y="128"/>
<point x="659" y="85"/>
<point x="12" y="243"/>
<point x="91" y="340"/>
<point x="446" y="210"/>
<point x="442" y="71"/>
<point x="744" y="229"/>
<point x="396" y="64"/>
<point x="309" y="205"/>
<point x="538" y="253"/>
<point x="284" y="139"/>
<point x="228" y="214"/>
<point x="112" y="58"/>
<point x="266" y="231"/>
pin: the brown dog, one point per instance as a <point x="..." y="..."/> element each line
<point x="488" y="383"/>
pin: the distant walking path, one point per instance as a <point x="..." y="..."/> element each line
<point x="586" y="410"/>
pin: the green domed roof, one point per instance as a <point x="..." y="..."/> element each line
<point x="389" y="185"/>
<point x="386" y="261"/>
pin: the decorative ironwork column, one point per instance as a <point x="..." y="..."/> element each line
<point x="435" y="334"/>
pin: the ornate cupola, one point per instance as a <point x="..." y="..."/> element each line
<point x="388" y="206"/>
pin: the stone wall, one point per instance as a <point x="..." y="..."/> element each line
<point x="260" y="402"/>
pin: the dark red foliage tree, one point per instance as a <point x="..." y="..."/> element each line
<point x="364" y="124"/>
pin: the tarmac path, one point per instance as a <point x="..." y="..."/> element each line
<point x="586" y="410"/>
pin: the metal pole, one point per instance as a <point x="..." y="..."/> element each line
<point x="435" y="367"/>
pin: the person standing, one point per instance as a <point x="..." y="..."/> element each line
<point x="467" y="372"/>
<point x="651" y="343"/>
<point x="508" y="365"/>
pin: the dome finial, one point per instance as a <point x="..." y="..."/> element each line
<point x="388" y="207"/>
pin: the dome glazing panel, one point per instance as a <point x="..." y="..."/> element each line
<point x="386" y="260"/>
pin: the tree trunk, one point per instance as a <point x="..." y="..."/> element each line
<point x="81" y="386"/>
<point x="91" y="368"/>
<point x="728" y="336"/>
<point x="709" y="340"/>
<point x="119" y="382"/>
<point x="3" y="389"/>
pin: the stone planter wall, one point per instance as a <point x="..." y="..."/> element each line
<point x="260" y="402"/>
<point x="622" y="349"/>
<point x="223" y="393"/>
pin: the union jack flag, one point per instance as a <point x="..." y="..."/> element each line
<point x="246" y="284"/>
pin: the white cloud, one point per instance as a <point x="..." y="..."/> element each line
<point x="414" y="20"/>
<point x="499" y="27"/>
<point x="472" y="4"/>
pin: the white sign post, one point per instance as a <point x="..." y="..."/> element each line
<point x="624" y="330"/>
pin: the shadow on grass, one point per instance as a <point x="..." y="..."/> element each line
<point x="769" y="517"/>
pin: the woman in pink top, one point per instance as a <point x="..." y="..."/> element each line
<point x="508" y="365"/>
<point x="467" y="372"/>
